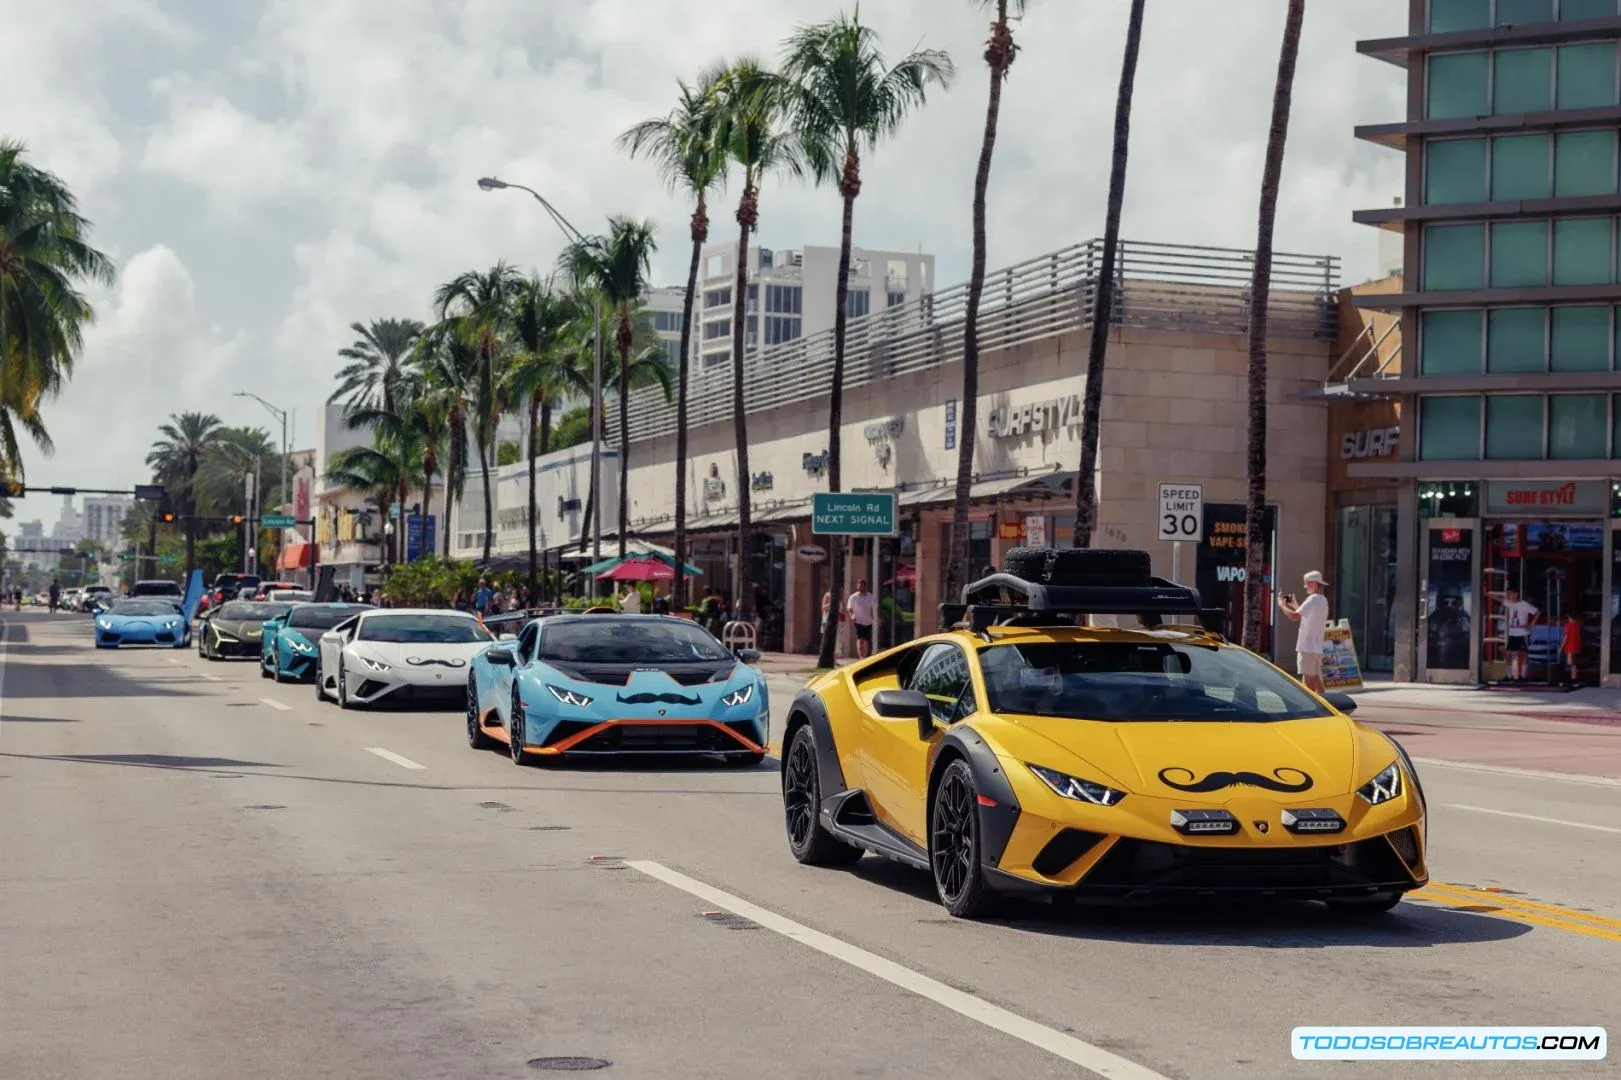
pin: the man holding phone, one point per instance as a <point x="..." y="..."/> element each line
<point x="1312" y="615"/>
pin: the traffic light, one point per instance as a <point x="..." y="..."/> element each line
<point x="12" y="489"/>
<point x="237" y="519"/>
<point x="167" y="517"/>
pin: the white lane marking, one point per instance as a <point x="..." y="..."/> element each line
<point x="389" y="755"/>
<point x="1534" y="817"/>
<point x="172" y="660"/>
<point x="1509" y="770"/>
<point x="4" y="633"/>
<point x="213" y="678"/>
<point x="274" y="704"/>
<point x="1067" y="1047"/>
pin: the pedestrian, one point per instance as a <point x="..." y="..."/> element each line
<point x="481" y="598"/>
<point x="860" y="605"/>
<point x="1312" y="615"/>
<point x="55" y="594"/>
<point x="1522" y="616"/>
<point x="631" y="602"/>
<point x="1571" y="646"/>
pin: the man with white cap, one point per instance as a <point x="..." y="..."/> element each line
<point x="1312" y="615"/>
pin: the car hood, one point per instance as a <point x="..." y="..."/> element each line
<point x="1207" y="762"/>
<point x="421" y="654"/>
<point x="142" y="620"/>
<point x="308" y="637"/>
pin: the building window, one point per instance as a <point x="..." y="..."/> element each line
<point x="1615" y="430"/>
<point x="1516" y="340"/>
<point x="784" y="299"/>
<point x="1581" y="251"/>
<point x="1586" y="9"/>
<point x="716" y="359"/>
<point x="1580" y="340"/>
<point x="717" y="328"/>
<point x="1458" y="85"/>
<point x="857" y="303"/>
<point x="1449" y="15"/>
<point x="715" y="298"/>
<point x="1523" y="12"/>
<point x="1584" y="163"/>
<point x="668" y="322"/>
<point x="1448" y="428"/>
<point x="1519" y="254"/>
<point x="1454" y="256"/>
<point x="1586" y="75"/>
<point x="1513" y="427"/>
<point x="1455" y="171"/>
<point x="1520" y="167"/>
<point x="1522" y="81"/>
<point x="1450" y="342"/>
<point x="779" y="329"/>
<point x="1576" y="426"/>
<point x="895" y="299"/>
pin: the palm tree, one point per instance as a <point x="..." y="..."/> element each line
<point x="691" y="160"/>
<point x="175" y="459"/>
<point x="379" y="360"/>
<point x="616" y="266"/>
<point x="540" y="371"/>
<point x="999" y="53"/>
<point x="481" y="306"/>
<point x="1260" y="289"/>
<point x="233" y="455"/>
<point x="753" y="134"/>
<point x="846" y="98"/>
<point x="1086" y="489"/>
<point x="44" y="257"/>
<point x="450" y="367"/>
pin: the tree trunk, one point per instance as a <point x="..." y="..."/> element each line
<point x="746" y="215"/>
<point x="850" y="186"/>
<point x="1260" y="288"/>
<point x="624" y="343"/>
<point x="427" y="505"/>
<point x="545" y="426"/>
<point x="402" y="538"/>
<point x="700" y="233"/>
<point x="451" y="471"/>
<point x="1086" y="488"/>
<point x="191" y="518"/>
<point x="590" y="503"/>
<point x="534" y="553"/>
<point x="484" y="450"/>
<point x="998" y="55"/>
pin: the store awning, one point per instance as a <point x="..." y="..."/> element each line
<point x="1045" y="485"/>
<point x="790" y="512"/>
<point x="296" y="556"/>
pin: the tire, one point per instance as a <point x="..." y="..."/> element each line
<point x="476" y="738"/>
<point x="745" y="760"/>
<point x="1079" y="566"/>
<point x="809" y="842"/>
<point x="1376" y="904"/>
<point x="264" y="672"/>
<point x="343" y="689"/>
<point x="515" y="748"/>
<point x="320" y="681"/>
<point x="954" y="844"/>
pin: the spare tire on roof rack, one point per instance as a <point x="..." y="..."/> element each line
<point x="1079" y="566"/>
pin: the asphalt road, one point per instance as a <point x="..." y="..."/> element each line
<point x="205" y="874"/>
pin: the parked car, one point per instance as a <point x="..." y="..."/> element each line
<point x="158" y="587"/>
<point x="265" y="588"/>
<point x="93" y="594"/>
<point x="230" y="587"/>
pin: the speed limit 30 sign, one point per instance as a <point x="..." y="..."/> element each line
<point x="1181" y="512"/>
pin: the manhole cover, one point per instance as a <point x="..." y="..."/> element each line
<point x="569" y="1064"/>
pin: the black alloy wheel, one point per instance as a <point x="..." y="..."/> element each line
<point x="519" y="758"/>
<point x="954" y="844"/>
<point x="809" y="842"/>
<point x="476" y="737"/>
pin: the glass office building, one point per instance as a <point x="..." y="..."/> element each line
<point x="1510" y="317"/>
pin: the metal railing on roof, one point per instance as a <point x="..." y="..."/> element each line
<point x="1175" y="287"/>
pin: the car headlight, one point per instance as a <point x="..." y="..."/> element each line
<point x="105" y="624"/>
<point x="738" y="697"/>
<point x="568" y="697"/>
<point x="1382" y="788"/>
<point x="221" y="635"/>
<point x="375" y="665"/>
<point x="300" y="645"/>
<point x="1073" y="787"/>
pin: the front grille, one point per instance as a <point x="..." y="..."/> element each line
<point x="692" y="678"/>
<point x="164" y="637"/>
<point x="567" y="729"/>
<point x="1141" y="865"/>
<point x="658" y="738"/>
<point x="112" y="639"/>
<point x="1062" y="851"/>
<point x="1405" y="841"/>
<point x="368" y="688"/>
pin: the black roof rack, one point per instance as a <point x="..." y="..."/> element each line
<point x="1035" y="604"/>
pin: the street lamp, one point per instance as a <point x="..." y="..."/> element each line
<point x="280" y="414"/>
<point x="490" y="183"/>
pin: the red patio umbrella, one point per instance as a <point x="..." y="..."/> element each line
<point x="639" y="570"/>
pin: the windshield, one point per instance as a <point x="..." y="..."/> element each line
<point x="144" y="607"/>
<point x="251" y="612"/>
<point x="320" y="616"/>
<point x="1140" y="681"/>
<point x="423" y="629"/>
<point x="155" y="588"/>
<point x="597" y="640"/>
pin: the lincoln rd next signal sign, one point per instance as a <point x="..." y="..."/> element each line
<point x="861" y="513"/>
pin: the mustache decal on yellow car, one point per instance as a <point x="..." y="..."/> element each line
<point x="1217" y="780"/>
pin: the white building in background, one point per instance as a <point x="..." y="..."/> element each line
<point x="36" y="551"/>
<point x="69" y="527"/>
<point x="792" y="294"/>
<point x="104" y="516"/>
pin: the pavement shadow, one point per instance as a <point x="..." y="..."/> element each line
<point x="652" y="765"/>
<point x="4" y="719"/>
<point x="13" y="633"/>
<point x="152" y="761"/>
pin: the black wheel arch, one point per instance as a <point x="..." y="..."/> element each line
<point x="996" y="822"/>
<point x="808" y="708"/>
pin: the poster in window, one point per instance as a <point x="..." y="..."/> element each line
<point x="1221" y="570"/>
<point x="1450" y="559"/>
<point x="1615" y="603"/>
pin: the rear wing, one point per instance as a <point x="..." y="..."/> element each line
<point x="1005" y="599"/>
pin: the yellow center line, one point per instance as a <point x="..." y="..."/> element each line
<point x="1529" y="912"/>
<point x="1496" y="898"/>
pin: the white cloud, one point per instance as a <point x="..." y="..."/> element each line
<point x="234" y="158"/>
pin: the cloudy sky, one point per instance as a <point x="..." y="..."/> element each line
<point x="266" y="172"/>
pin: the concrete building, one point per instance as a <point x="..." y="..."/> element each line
<point x="792" y="294"/>
<point x="104" y="518"/>
<point x="69" y="525"/>
<point x="1504" y="472"/>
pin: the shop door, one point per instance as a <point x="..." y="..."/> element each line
<point x="1558" y="568"/>
<point x="1447" y="602"/>
<point x="1364" y="584"/>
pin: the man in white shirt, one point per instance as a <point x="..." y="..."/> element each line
<point x="1312" y="615"/>
<point x="631" y="602"/>
<point x="1522" y="615"/>
<point x="860" y="606"/>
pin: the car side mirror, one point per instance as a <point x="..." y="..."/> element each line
<point x="906" y="705"/>
<point x="1345" y="703"/>
<point x="749" y="656"/>
<point x="499" y="656"/>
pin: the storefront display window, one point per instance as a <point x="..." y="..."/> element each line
<point x="1556" y="567"/>
<point x="1449" y="428"/>
<point x="1454" y="257"/>
<point x="1448" y="597"/>
<point x="897" y="592"/>
<point x="1455" y="171"/>
<point x="1584" y="163"/>
<point x="1221" y="570"/>
<point x="1615" y="591"/>
<point x="1520" y="166"/>
<point x="1451" y="342"/>
<point x="1448" y="498"/>
<point x="1365" y="582"/>
<point x="1516" y="340"/>
<point x="1513" y="427"/>
<point x="1576" y="426"/>
<point x="1581" y="339"/>
<point x="1586" y="75"/>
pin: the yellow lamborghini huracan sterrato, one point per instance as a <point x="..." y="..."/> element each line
<point x="1030" y="749"/>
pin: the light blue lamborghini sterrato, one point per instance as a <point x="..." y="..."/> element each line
<point x="288" y="649"/>
<point x="592" y="685"/>
<point x="142" y="621"/>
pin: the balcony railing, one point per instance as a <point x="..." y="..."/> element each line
<point x="1159" y="287"/>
